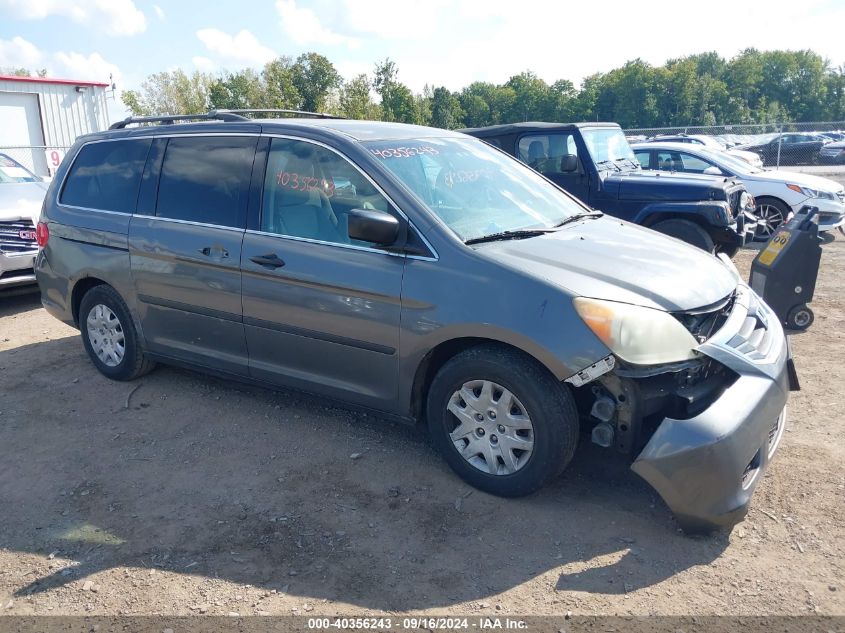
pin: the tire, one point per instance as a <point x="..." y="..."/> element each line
<point x="800" y="318"/>
<point x="547" y="404"/>
<point x="774" y="213"/>
<point x="728" y="249"/>
<point x="688" y="232"/>
<point x="109" y="335"/>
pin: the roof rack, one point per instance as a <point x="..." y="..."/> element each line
<point x="167" y="119"/>
<point x="316" y="115"/>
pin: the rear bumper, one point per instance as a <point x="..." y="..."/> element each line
<point x="16" y="269"/>
<point x="707" y="467"/>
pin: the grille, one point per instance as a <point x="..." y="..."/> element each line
<point x="11" y="240"/>
<point x="755" y="338"/>
<point x="734" y="202"/>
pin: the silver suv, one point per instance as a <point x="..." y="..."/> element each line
<point x="423" y="274"/>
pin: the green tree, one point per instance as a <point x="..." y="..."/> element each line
<point x="171" y="92"/>
<point x="237" y="90"/>
<point x="397" y="100"/>
<point x="314" y="77"/>
<point x="445" y="109"/>
<point x="355" y="99"/>
<point x="279" y="91"/>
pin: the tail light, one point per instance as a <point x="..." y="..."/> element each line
<point x="42" y="234"/>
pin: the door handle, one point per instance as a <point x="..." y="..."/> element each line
<point x="268" y="261"/>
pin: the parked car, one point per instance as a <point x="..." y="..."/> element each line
<point x="833" y="153"/>
<point x="777" y="193"/>
<point x="594" y="162"/>
<point x="21" y="195"/>
<point x="449" y="283"/>
<point x="710" y="143"/>
<point x="792" y="148"/>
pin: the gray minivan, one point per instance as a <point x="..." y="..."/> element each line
<point x="426" y="275"/>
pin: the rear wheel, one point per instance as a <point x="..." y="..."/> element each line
<point x="109" y="335"/>
<point x="501" y="421"/>
<point x="688" y="232"/>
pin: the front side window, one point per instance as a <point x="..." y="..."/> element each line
<point x="547" y="152"/>
<point x="12" y="171"/>
<point x="309" y="191"/>
<point x="106" y="175"/>
<point x="693" y="164"/>
<point x="474" y="189"/>
<point x="206" y="179"/>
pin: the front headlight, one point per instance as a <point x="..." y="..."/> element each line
<point x="812" y="193"/>
<point x="637" y="335"/>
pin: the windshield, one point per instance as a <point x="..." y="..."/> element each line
<point x="13" y="171"/>
<point x="735" y="164"/>
<point x="609" y="146"/>
<point x="476" y="190"/>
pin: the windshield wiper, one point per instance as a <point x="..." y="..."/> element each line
<point x="610" y="163"/>
<point x="510" y="235"/>
<point x="579" y="216"/>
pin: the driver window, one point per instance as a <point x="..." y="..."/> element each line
<point x="694" y="165"/>
<point x="309" y="191"/>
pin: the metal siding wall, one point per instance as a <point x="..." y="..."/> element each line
<point x="65" y="113"/>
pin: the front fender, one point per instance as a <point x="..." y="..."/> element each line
<point x="708" y="212"/>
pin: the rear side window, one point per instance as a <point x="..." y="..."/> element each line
<point x="206" y="179"/>
<point x="106" y="175"/>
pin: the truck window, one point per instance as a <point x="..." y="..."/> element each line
<point x="106" y="175"/>
<point x="206" y="179"/>
<point x="543" y="152"/>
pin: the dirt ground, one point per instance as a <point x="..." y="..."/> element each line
<point x="183" y="494"/>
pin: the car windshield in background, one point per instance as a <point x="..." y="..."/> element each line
<point x="477" y="191"/>
<point x="737" y="165"/>
<point x="609" y="148"/>
<point x="13" y="171"/>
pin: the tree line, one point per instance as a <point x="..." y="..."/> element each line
<point x="703" y="89"/>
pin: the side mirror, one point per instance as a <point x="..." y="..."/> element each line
<point x="568" y="163"/>
<point x="713" y="171"/>
<point x="370" y="225"/>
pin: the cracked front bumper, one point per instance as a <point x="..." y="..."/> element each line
<point x="706" y="467"/>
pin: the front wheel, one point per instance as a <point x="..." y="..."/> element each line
<point x="688" y="232"/>
<point x="501" y="421"/>
<point x="771" y="214"/>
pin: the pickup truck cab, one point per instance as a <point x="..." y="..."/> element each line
<point x="595" y="163"/>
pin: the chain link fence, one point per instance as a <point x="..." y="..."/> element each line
<point x="818" y="143"/>
<point x="42" y="160"/>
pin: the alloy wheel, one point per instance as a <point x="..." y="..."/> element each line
<point x="771" y="218"/>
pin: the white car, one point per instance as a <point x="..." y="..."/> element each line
<point x="21" y="196"/>
<point x="713" y="144"/>
<point x="777" y="193"/>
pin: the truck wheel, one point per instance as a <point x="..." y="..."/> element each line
<point x="800" y="318"/>
<point x="688" y="232"/>
<point x="501" y="421"/>
<point x="109" y="336"/>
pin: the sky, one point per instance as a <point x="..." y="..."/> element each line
<point x="437" y="42"/>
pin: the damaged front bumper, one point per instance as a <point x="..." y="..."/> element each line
<point x="706" y="466"/>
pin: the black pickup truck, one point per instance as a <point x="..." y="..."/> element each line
<point x="593" y="162"/>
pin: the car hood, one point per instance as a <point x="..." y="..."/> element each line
<point x="657" y="186"/>
<point x="798" y="178"/>
<point x="835" y="145"/>
<point x="21" y="200"/>
<point x="606" y="258"/>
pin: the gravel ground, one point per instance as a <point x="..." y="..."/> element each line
<point x="183" y="494"/>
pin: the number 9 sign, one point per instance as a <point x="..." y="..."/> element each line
<point x="54" y="158"/>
